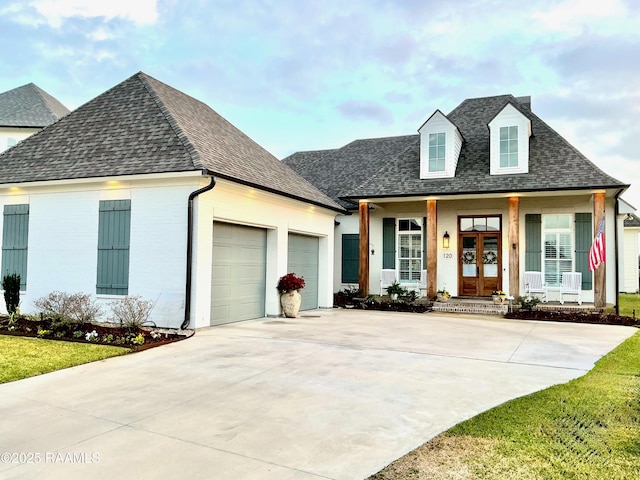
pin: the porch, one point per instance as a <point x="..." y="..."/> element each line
<point x="486" y="306"/>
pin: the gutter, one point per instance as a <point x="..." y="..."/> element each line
<point x="187" y="298"/>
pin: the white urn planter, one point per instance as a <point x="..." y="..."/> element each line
<point x="290" y="303"/>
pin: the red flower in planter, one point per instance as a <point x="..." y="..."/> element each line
<point x="290" y="282"/>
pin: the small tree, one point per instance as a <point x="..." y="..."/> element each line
<point x="11" y="287"/>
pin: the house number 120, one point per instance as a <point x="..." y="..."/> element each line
<point x="447" y="255"/>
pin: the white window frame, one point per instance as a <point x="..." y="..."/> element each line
<point x="557" y="231"/>
<point x="436" y="144"/>
<point x="507" y="154"/>
<point x="414" y="274"/>
<point x="509" y="116"/>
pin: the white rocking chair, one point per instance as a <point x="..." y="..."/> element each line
<point x="571" y="285"/>
<point x="533" y="284"/>
<point x="387" y="277"/>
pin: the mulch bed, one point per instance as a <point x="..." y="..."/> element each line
<point x="137" y="339"/>
<point x="382" y="305"/>
<point x="575" y="317"/>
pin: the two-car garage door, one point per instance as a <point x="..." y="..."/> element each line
<point x="238" y="277"/>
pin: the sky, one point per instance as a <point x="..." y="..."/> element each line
<point x="308" y="75"/>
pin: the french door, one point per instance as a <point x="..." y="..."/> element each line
<point x="480" y="263"/>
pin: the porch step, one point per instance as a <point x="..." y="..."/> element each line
<point x="461" y="306"/>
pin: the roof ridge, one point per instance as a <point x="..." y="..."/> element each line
<point x="47" y="99"/>
<point x="173" y="122"/>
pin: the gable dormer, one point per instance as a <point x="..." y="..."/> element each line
<point x="509" y="130"/>
<point x="440" y="144"/>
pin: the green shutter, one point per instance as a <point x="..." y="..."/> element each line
<point x="15" y="238"/>
<point x="389" y="243"/>
<point x="533" y="242"/>
<point x="424" y="243"/>
<point x="114" y="225"/>
<point x="350" y="257"/>
<point x="584" y="237"/>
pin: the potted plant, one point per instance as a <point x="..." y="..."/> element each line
<point x="290" y="298"/>
<point x="499" y="296"/>
<point x="443" y="295"/>
<point x="395" y="290"/>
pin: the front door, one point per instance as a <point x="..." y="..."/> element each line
<point x="480" y="265"/>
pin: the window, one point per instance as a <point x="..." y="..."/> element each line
<point x="437" y="152"/>
<point x="114" y="224"/>
<point x="350" y="257"/>
<point x="15" y="236"/>
<point x="410" y="252"/>
<point x="558" y="247"/>
<point x="508" y="146"/>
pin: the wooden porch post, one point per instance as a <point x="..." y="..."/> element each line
<point x="432" y="248"/>
<point x="363" y="267"/>
<point x="599" y="275"/>
<point x="514" y="246"/>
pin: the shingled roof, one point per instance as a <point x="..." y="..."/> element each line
<point x="29" y="106"/>
<point x="632" y="221"/>
<point x="143" y="126"/>
<point x="390" y="167"/>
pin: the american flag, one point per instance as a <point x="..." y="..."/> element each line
<point x="597" y="253"/>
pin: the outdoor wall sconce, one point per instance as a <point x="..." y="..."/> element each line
<point x="445" y="240"/>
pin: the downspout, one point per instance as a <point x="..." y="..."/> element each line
<point x="187" y="298"/>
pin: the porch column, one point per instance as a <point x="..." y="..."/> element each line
<point x="514" y="246"/>
<point x="432" y="248"/>
<point x="599" y="275"/>
<point x="363" y="266"/>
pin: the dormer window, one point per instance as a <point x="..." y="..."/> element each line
<point x="509" y="130"/>
<point x="508" y="147"/>
<point x="437" y="149"/>
<point x="440" y="144"/>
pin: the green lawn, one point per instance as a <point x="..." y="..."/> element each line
<point x="22" y="357"/>
<point x="628" y="303"/>
<point x="588" y="428"/>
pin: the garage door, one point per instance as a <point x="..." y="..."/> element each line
<point x="238" y="273"/>
<point x="303" y="261"/>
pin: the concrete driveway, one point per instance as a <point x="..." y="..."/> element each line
<point x="334" y="394"/>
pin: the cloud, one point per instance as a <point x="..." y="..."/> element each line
<point x="364" y="110"/>
<point x="54" y="12"/>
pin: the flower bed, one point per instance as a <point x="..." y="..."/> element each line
<point x="575" y="317"/>
<point x="136" y="338"/>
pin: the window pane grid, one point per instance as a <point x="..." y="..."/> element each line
<point x="509" y="146"/>
<point x="409" y="251"/>
<point x="437" y="152"/>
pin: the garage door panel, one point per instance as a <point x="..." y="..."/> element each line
<point x="303" y="258"/>
<point x="238" y="273"/>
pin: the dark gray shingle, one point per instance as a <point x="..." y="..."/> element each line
<point x="29" y="106"/>
<point x="554" y="164"/>
<point x="145" y="126"/>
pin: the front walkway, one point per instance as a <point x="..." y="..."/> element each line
<point x="331" y="395"/>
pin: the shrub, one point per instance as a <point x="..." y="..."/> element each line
<point x="67" y="310"/>
<point x="528" y="304"/>
<point x="131" y="312"/>
<point x="396" y="289"/>
<point x="11" y="287"/>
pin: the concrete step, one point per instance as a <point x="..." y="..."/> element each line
<point x="486" y="308"/>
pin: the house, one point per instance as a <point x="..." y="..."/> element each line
<point x="630" y="264"/>
<point x="24" y="111"/>
<point x="147" y="191"/>
<point x="475" y="199"/>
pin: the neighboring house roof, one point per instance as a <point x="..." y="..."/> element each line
<point x="29" y="106"/>
<point x="632" y="221"/>
<point x="143" y="126"/>
<point x="554" y="164"/>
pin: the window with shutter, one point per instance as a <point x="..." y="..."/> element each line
<point x="15" y="239"/>
<point x="114" y="225"/>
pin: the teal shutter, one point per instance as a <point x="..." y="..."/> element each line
<point x="424" y="243"/>
<point x="533" y="242"/>
<point x="584" y="237"/>
<point x="350" y="257"/>
<point x="114" y="225"/>
<point x="15" y="238"/>
<point x="389" y="243"/>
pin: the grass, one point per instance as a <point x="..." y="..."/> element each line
<point x="22" y="357"/>
<point x="587" y="428"/>
<point x="628" y="303"/>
